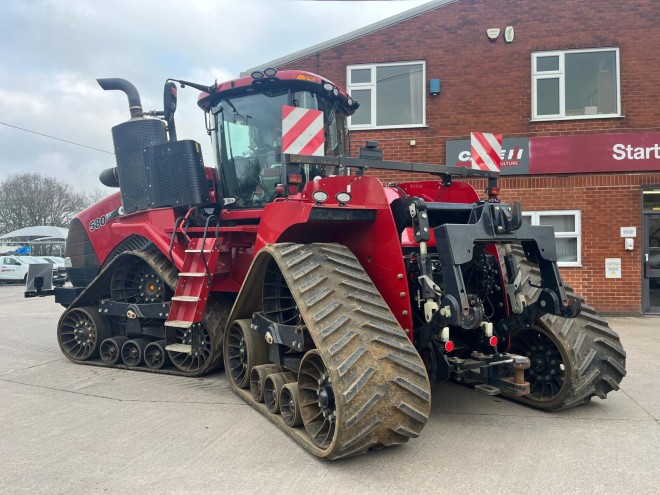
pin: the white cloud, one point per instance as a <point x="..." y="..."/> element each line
<point x="52" y="51"/>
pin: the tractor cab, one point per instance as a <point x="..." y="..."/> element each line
<point x="257" y="120"/>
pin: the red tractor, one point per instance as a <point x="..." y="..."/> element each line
<point x="334" y="302"/>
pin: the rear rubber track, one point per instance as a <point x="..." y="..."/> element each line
<point x="380" y="384"/>
<point x="592" y="351"/>
<point x="215" y="317"/>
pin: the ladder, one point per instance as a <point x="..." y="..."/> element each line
<point x="193" y="287"/>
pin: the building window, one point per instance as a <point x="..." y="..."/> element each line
<point x="567" y="233"/>
<point x="576" y="84"/>
<point x="390" y="95"/>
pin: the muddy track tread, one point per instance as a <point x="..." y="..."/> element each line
<point x="217" y="313"/>
<point x="381" y="387"/>
<point x="597" y="358"/>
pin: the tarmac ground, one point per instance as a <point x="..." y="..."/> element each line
<point x="67" y="428"/>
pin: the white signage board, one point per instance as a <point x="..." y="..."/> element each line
<point x="628" y="231"/>
<point x="612" y="267"/>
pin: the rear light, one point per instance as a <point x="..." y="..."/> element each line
<point x="493" y="341"/>
<point x="449" y="346"/>
<point x="293" y="190"/>
<point x="270" y="72"/>
<point x="279" y="189"/>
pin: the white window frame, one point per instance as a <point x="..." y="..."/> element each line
<point x="577" y="234"/>
<point x="372" y="86"/>
<point x="561" y="74"/>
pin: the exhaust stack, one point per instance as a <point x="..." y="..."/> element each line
<point x="116" y="83"/>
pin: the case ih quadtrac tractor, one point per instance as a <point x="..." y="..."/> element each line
<point x="333" y="302"/>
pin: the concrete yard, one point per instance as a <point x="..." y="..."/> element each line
<point x="67" y="428"/>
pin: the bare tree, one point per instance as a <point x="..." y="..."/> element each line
<point x="30" y="199"/>
<point x="97" y="195"/>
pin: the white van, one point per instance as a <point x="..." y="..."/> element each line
<point x="13" y="269"/>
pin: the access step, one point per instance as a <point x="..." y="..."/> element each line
<point x="185" y="298"/>
<point x="183" y="348"/>
<point x="206" y="251"/>
<point x="179" y="323"/>
<point x="192" y="274"/>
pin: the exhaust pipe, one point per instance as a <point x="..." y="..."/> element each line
<point x="115" y="83"/>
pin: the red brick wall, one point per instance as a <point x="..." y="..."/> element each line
<point x="486" y="86"/>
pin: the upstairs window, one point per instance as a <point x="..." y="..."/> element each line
<point x="567" y="233"/>
<point x="576" y="84"/>
<point x="390" y="95"/>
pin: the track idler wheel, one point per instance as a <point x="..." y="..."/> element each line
<point x="155" y="355"/>
<point x="318" y="407"/>
<point x="132" y="352"/>
<point x="289" y="405"/>
<point x="244" y="349"/>
<point x="258" y="378"/>
<point x="272" y="388"/>
<point x="81" y="331"/>
<point x="110" y="350"/>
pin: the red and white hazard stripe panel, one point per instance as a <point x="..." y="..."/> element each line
<point x="486" y="151"/>
<point x="302" y="131"/>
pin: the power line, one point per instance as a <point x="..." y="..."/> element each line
<point x="56" y="138"/>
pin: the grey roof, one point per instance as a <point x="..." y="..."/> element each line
<point x="37" y="231"/>
<point x="350" y="36"/>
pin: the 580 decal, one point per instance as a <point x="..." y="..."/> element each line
<point x="101" y="221"/>
<point x="97" y="223"/>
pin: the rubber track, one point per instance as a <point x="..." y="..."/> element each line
<point x="215" y="316"/>
<point x="597" y="358"/>
<point x="382" y="391"/>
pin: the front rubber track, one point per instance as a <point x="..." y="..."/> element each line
<point x="381" y="388"/>
<point x="594" y="357"/>
<point x="215" y="316"/>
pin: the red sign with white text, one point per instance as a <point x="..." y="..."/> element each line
<point x="594" y="153"/>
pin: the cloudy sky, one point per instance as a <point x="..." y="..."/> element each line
<point x="52" y="51"/>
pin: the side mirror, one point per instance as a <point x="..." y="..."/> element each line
<point x="169" y="100"/>
<point x="169" y="107"/>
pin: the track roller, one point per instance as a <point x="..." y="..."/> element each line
<point x="272" y="387"/>
<point x="80" y="332"/>
<point x="155" y="355"/>
<point x="132" y="352"/>
<point x="245" y="349"/>
<point x="258" y="377"/>
<point x="111" y="349"/>
<point x="289" y="404"/>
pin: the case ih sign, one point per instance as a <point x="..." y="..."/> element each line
<point x="570" y="154"/>
<point x="514" y="155"/>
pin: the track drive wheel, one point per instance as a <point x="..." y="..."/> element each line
<point x="572" y="359"/>
<point x="244" y="349"/>
<point x="81" y="331"/>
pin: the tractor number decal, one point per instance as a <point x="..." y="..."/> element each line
<point x="101" y="221"/>
<point x="97" y="223"/>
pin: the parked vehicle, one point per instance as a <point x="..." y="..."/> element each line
<point x="13" y="269"/>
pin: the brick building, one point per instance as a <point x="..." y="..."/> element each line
<point x="572" y="85"/>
